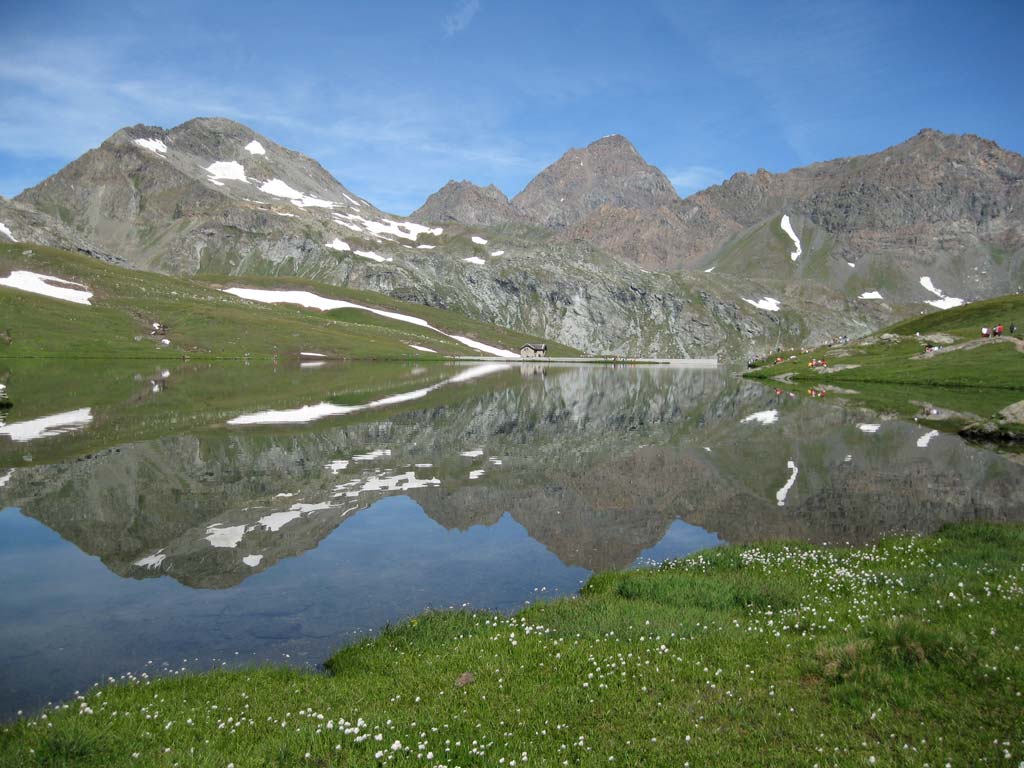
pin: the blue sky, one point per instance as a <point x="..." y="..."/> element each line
<point x="396" y="98"/>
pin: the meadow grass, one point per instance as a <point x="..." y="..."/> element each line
<point x="889" y="372"/>
<point x="204" y="322"/>
<point x="903" y="653"/>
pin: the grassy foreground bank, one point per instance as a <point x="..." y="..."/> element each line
<point x="907" y="652"/>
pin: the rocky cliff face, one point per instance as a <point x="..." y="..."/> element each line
<point x="23" y="223"/>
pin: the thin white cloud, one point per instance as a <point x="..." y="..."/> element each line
<point x="456" y="22"/>
<point x="694" y="178"/>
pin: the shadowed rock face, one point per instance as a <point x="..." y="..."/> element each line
<point x="29" y="225"/>
<point x="609" y="172"/>
<point x="595" y="464"/>
<point x="463" y="202"/>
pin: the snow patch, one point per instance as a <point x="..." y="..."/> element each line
<point x="33" y="282"/>
<point x="252" y="560"/>
<point x="407" y="230"/>
<point x="851" y="265"/>
<point x="314" y="301"/>
<point x="4" y="479"/>
<point x="780" y="495"/>
<point x="275" y="521"/>
<point x="308" y="413"/>
<point x="486" y="348"/>
<point x="230" y="537"/>
<point x="423" y="349"/>
<point x="385" y="482"/>
<point x="255" y="148"/>
<point x="373" y="256"/>
<point x="923" y="440"/>
<point x="476" y="474"/>
<point x="478" y="240"/>
<point x="710" y="269"/>
<point x="278" y="188"/>
<point x="380" y="453"/>
<point x="338" y="245"/>
<point x="472" y="454"/>
<point x="944" y="301"/>
<point x="48" y="426"/>
<point x="870" y="295"/>
<point x="153" y="145"/>
<point x="151" y="561"/>
<point x="227" y="170"/>
<point x="497" y="253"/>
<point x="787" y="227"/>
<point x="869" y="428"/>
<point x="762" y="417"/>
<point x="767" y="303"/>
<point x="337" y="465"/>
<point x="311" y="354"/>
<point x="426" y="247"/>
<point x="5" y="230"/>
<point x="475" y="260"/>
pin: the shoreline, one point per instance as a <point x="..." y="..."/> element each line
<point x="657" y="666"/>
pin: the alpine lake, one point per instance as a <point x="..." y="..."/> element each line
<point x="157" y="518"/>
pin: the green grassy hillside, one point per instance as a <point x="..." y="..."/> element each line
<point x="203" y="321"/>
<point x="967" y="321"/>
<point x="907" y="652"/>
<point x="937" y="360"/>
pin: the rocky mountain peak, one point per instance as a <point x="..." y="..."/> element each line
<point x="607" y="172"/>
<point x="467" y="203"/>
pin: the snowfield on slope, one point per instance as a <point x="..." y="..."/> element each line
<point x="33" y="282"/>
<point x="47" y="426"/>
<point x="944" y="301"/>
<point x="226" y="170"/>
<point x="153" y="145"/>
<point x="767" y="303"/>
<point x="314" y="301"/>
<point x="787" y="227"/>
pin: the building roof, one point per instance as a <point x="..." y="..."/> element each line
<point x="536" y="347"/>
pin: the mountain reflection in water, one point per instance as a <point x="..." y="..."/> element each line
<point x="517" y="483"/>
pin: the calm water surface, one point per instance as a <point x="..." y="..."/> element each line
<point x="159" y="518"/>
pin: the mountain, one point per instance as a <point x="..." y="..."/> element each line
<point x="165" y="199"/>
<point x="597" y="252"/>
<point x="463" y="202"/>
<point x="941" y="206"/>
<point x="608" y="173"/>
<point x="213" y="197"/>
